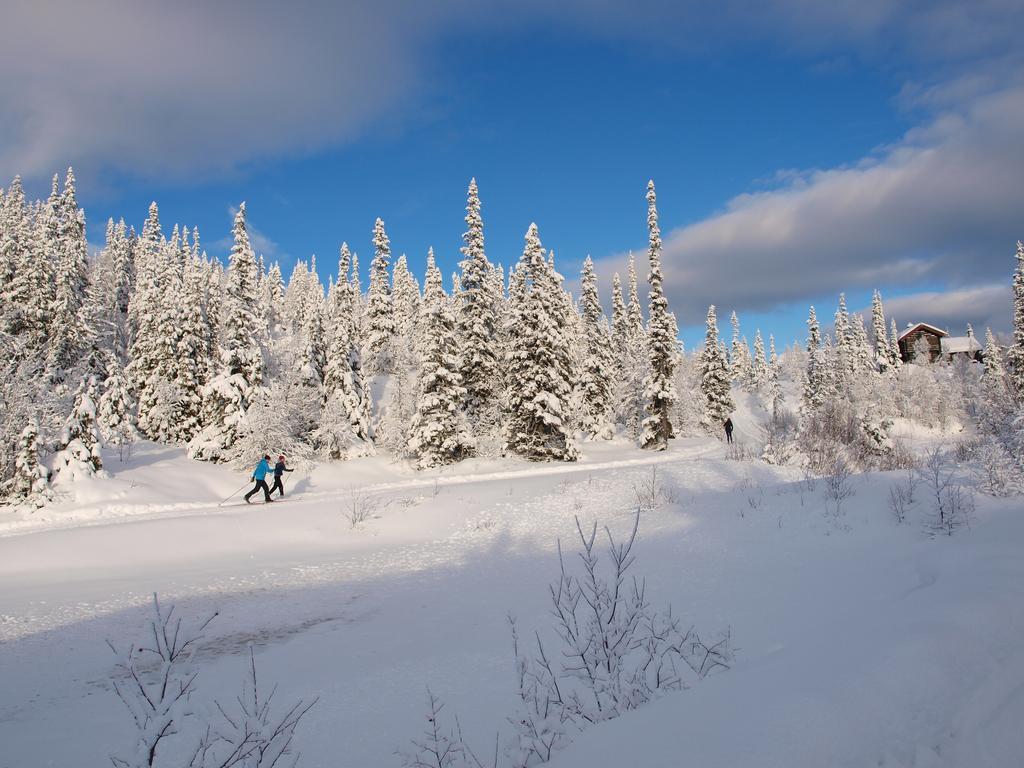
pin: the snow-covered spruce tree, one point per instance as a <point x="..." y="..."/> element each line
<point x="79" y="450"/>
<point x="116" y="415"/>
<point x="997" y="395"/>
<point x="774" y="372"/>
<point x="1015" y="355"/>
<point x="184" y="362"/>
<point x="863" y="360"/>
<point x="16" y="241"/>
<point x="715" y="378"/>
<point x="759" y="365"/>
<point x="596" y="378"/>
<point x="739" y="353"/>
<point x="895" y="358"/>
<point x="112" y="286"/>
<point x="240" y="372"/>
<point x="813" y="396"/>
<point x="392" y="431"/>
<point x="538" y="375"/>
<point x="345" y="419"/>
<point x="145" y="316"/>
<point x="32" y="287"/>
<point x="477" y="321"/>
<point x="659" y="384"/>
<point x="438" y="434"/>
<point x="844" y="346"/>
<point x="31" y="482"/>
<point x="380" y="320"/>
<point x="69" y="331"/>
<point x="883" y="350"/>
<point x="631" y="336"/>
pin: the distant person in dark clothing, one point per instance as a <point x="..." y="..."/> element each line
<point x="279" y="470"/>
<point x="259" y="476"/>
<point x="728" y="431"/>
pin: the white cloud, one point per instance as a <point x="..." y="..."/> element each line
<point x="986" y="306"/>
<point x="194" y="89"/>
<point x="941" y="206"/>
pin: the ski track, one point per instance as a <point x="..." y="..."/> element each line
<point x="537" y="522"/>
<point x="109" y="514"/>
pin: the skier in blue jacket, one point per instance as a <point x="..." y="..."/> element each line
<point x="259" y="475"/>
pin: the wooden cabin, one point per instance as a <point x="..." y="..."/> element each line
<point x="913" y="333"/>
<point x="940" y="343"/>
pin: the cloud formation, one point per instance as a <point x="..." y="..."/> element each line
<point x="986" y="306"/>
<point x="939" y="207"/>
<point x="202" y="88"/>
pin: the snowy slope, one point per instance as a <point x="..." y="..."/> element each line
<point x="861" y="642"/>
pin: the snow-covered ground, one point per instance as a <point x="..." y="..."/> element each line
<point x="860" y="642"/>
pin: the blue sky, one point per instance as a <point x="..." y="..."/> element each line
<point x="795" y="154"/>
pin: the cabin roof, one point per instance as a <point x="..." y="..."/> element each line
<point x="915" y="326"/>
<point x="953" y="344"/>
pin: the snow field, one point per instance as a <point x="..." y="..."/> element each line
<point x="860" y="642"/>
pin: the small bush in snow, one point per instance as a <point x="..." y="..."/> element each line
<point x="652" y="492"/>
<point x="614" y="653"/>
<point x="156" y="681"/>
<point x="951" y="504"/>
<point x="360" y="506"/>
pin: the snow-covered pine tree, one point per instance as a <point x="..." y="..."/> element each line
<point x="116" y="415"/>
<point x="865" y="360"/>
<point x="392" y="431"/>
<point x="345" y="419"/>
<point x="715" y="378"/>
<point x="538" y="375"/>
<point x="1015" y="355"/>
<point x="70" y="332"/>
<point x="438" y="433"/>
<point x="813" y="396"/>
<point x="660" y="383"/>
<point x="846" y="345"/>
<point x="380" y="320"/>
<point x="895" y="358"/>
<point x="635" y="359"/>
<point x="775" y="396"/>
<point x="477" y="321"/>
<point x="79" y="449"/>
<point x="759" y="365"/>
<point x="996" y="387"/>
<point x="739" y="353"/>
<point x="596" y="379"/>
<point x="145" y="313"/>
<point x="227" y="396"/>
<point x="32" y="288"/>
<point x="883" y="352"/>
<point x="31" y="482"/>
<point x="16" y="246"/>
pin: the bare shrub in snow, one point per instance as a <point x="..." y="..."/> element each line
<point x="738" y="451"/>
<point x="156" y="682"/>
<point x="951" y="504"/>
<point x="250" y="735"/>
<point x="360" y="506"/>
<point x="440" y="746"/>
<point x="652" y="492"/>
<point x="838" y="487"/>
<point x="899" y="456"/>
<point x="779" y="433"/>
<point x="899" y="503"/>
<point x="615" y="652"/>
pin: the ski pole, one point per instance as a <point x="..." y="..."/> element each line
<point x="233" y="494"/>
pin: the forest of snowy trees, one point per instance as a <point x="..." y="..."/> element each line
<point x="153" y="338"/>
